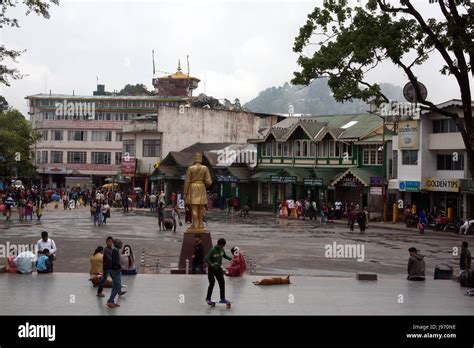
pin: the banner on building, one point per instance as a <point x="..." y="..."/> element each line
<point x="375" y="191"/>
<point x="130" y="166"/>
<point x="313" y="182"/>
<point x="283" y="179"/>
<point x="408" y="135"/>
<point x="444" y="185"/>
<point x="409" y="186"/>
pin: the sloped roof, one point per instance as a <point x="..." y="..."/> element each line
<point x="354" y="126"/>
<point x="201" y="147"/>
<point x="362" y="174"/>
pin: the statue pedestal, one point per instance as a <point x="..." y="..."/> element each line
<point x="187" y="249"/>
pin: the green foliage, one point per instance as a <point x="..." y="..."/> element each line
<point x="350" y="41"/>
<point x="40" y="8"/>
<point x="138" y="89"/>
<point x="16" y="139"/>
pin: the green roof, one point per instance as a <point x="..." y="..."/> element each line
<point x="327" y="174"/>
<point x="300" y="173"/>
<point x="263" y="175"/>
<point x="362" y="174"/>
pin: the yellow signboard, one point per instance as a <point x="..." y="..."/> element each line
<point x="408" y="135"/>
<point x="445" y="185"/>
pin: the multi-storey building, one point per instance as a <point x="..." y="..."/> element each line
<point x="325" y="158"/>
<point x="82" y="135"/>
<point x="431" y="167"/>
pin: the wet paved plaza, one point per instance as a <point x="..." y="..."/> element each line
<point x="320" y="285"/>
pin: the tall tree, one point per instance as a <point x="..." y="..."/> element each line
<point x="352" y="40"/>
<point x="138" y="89"/>
<point x="41" y="8"/>
<point x="16" y="139"/>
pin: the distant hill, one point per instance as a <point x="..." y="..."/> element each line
<point x="314" y="99"/>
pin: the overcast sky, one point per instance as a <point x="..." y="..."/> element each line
<point x="236" y="48"/>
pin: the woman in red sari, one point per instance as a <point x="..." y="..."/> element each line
<point x="238" y="266"/>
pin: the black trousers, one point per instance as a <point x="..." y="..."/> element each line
<point x="219" y="275"/>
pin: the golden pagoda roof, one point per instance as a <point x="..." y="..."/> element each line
<point x="178" y="75"/>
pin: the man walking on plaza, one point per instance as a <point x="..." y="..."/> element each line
<point x="153" y="202"/>
<point x="338" y="206"/>
<point x="161" y="216"/>
<point x="214" y="270"/>
<point x="107" y="265"/>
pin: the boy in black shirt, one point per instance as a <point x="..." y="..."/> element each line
<point x="161" y="217"/>
<point x="198" y="255"/>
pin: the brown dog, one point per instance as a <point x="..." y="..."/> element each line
<point x="273" y="281"/>
<point x="95" y="279"/>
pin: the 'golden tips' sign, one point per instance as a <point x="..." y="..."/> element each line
<point x="446" y="185"/>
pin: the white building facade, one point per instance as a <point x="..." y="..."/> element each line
<point x="430" y="166"/>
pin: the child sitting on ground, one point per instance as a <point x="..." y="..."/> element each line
<point x="43" y="265"/>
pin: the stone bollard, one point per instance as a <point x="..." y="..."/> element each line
<point x="187" y="266"/>
<point x="142" y="259"/>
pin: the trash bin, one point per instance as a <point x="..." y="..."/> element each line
<point x="443" y="272"/>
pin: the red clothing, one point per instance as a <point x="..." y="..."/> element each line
<point x="238" y="266"/>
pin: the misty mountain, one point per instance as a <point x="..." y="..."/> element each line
<point x="314" y="99"/>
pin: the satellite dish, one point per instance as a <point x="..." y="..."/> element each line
<point x="410" y="94"/>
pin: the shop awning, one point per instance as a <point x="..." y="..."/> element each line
<point x="362" y="174"/>
<point x="300" y="173"/>
<point x="165" y="172"/>
<point x="263" y="175"/>
<point x="242" y="173"/>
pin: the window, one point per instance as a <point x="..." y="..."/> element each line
<point x="76" y="157"/>
<point x="277" y="148"/>
<point x="332" y="145"/>
<point x="101" y="158"/>
<point x="57" y="135"/>
<point x="267" y="149"/>
<point x="410" y="157"/>
<point x="285" y="149"/>
<point x="151" y="148"/>
<point x="56" y="157"/>
<point x="297" y="148"/>
<point x="312" y="150"/>
<point x="323" y="149"/>
<point x="372" y="154"/>
<point x="118" y="136"/>
<point x="101" y="136"/>
<point x="44" y="135"/>
<point x="446" y="162"/>
<point x="129" y="147"/>
<point x="44" y="156"/>
<point x="305" y="144"/>
<point x="38" y="157"/>
<point x="77" y="135"/>
<point x="447" y="125"/>
<point x="118" y="157"/>
<point x="346" y="149"/>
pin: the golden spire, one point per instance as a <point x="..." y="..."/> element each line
<point x="179" y="65"/>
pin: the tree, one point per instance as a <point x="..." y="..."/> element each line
<point x="138" y="89"/>
<point x="41" y="8"/>
<point x="357" y="39"/>
<point x="3" y="103"/>
<point x="16" y="139"/>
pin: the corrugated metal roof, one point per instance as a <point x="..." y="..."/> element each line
<point x="362" y="174"/>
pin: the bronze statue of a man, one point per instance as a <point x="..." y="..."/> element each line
<point x="197" y="179"/>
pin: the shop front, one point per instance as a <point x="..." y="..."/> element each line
<point x="350" y="189"/>
<point x="446" y="197"/>
<point x="467" y="190"/>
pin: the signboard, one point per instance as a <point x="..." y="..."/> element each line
<point x="313" y="182"/>
<point x="349" y="181"/>
<point x="409" y="186"/>
<point x="375" y="191"/>
<point x="283" y="179"/>
<point x="130" y="166"/>
<point x="55" y="170"/>
<point x="227" y="178"/>
<point x="444" y="185"/>
<point x="408" y="135"/>
<point x="376" y="181"/>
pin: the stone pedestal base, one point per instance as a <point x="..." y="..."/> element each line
<point x="188" y="245"/>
